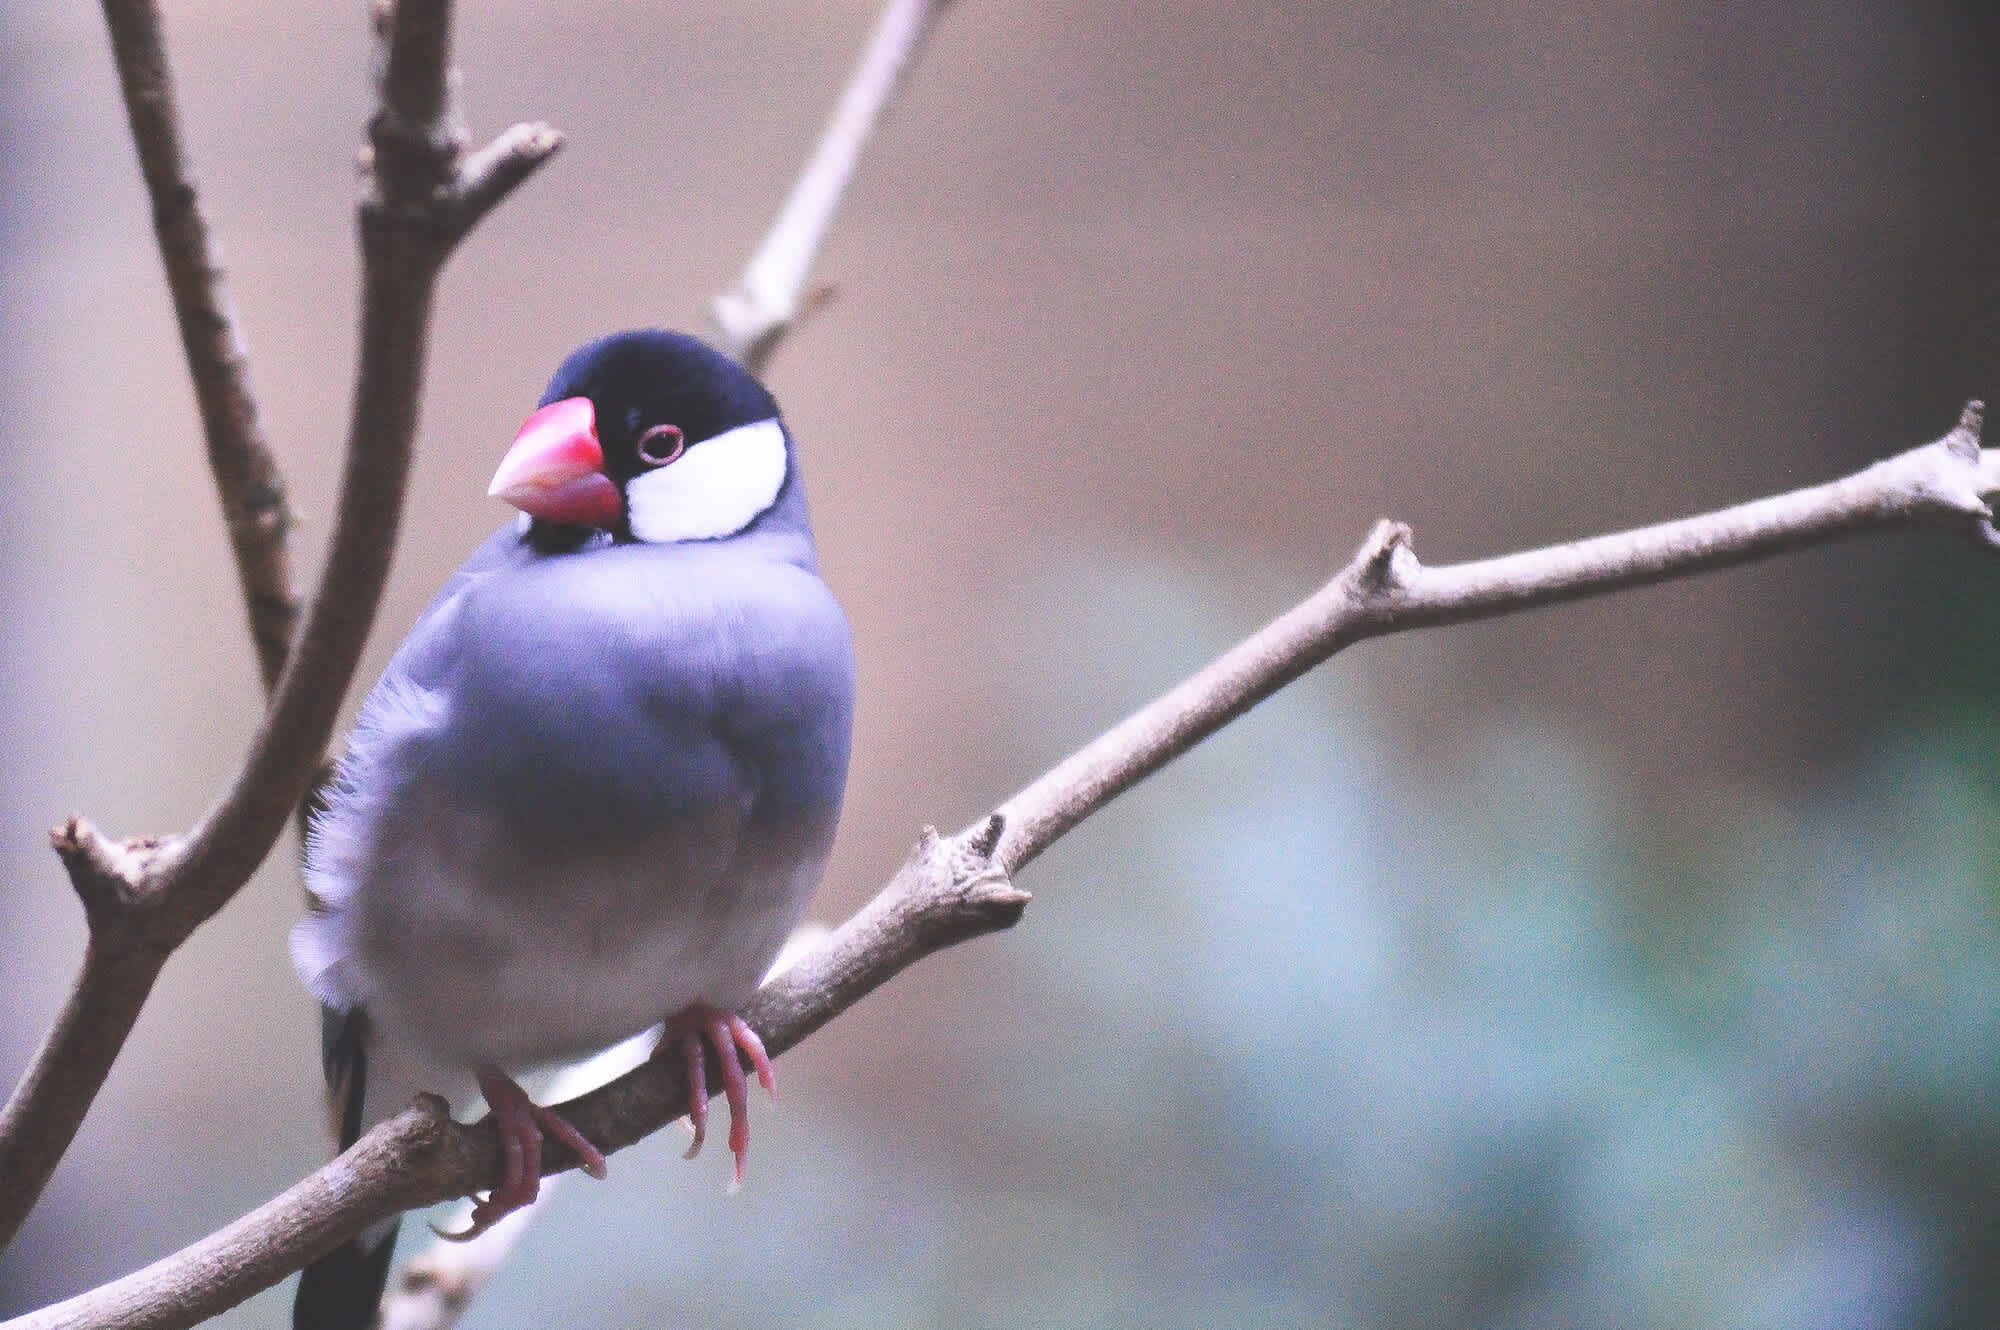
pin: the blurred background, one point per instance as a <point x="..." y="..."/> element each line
<point x="1634" y="963"/>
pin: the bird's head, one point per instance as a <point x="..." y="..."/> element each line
<point x="652" y="437"/>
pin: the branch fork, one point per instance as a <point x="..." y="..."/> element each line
<point x="108" y="875"/>
<point x="144" y="897"/>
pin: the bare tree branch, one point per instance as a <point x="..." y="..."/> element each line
<point x="142" y="898"/>
<point x="1386" y="590"/>
<point x="957" y="888"/>
<point x="754" y="315"/>
<point x="246" y="476"/>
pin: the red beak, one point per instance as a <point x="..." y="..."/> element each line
<point x="555" y="470"/>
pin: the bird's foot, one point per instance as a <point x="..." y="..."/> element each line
<point x="699" y="1028"/>
<point x="522" y="1123"/>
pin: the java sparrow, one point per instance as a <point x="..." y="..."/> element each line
<point x="596" y="784"/>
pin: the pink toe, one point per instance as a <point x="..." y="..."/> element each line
<point x="753" y="1048"/>
<point x="697" y="1074"/>
<point x="734" y="1042"/>
<point x="521" y="1124"/>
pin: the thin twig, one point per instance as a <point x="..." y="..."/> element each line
<point x="754" y="315"/>
<point x="1387" y="591"/>
<point x="246" y="476"/>
<point x="143" y="898"/>
<point x="957" y="888"/>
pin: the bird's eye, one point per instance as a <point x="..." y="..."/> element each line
<point x="661" y="445"/>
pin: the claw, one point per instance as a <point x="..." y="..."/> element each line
<point x="697" y="1091"/>
<point x="522" y="1125"/>
<point x="699" y="1028"/>
<point x="753" y="1048"/>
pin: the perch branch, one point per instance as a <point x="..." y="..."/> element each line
<point x="246" y="476"/>
<point x="945" y="894"/>
<point x="142" y="898"/>
<point x="754" y="315"/>
<point x="957" y="888"/>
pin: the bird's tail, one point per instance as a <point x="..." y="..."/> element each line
<point x="343" y="1289"/>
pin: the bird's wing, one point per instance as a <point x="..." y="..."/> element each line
<point x="644" y="704"/>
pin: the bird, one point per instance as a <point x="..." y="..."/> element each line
<point x="596" y="785"/>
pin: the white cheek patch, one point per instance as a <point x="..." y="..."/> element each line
<point x="717" y="488"/>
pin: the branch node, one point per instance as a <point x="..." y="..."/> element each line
<point x="415" y="150"/>
<point x="108" y="875"/>
<point x="952" y="888"/>
<point x="957" y="879"/>
<point x="490" y="174"/>
<point x="983" y="839"/>
<point x="752" y="327"/>
<point x="424" y="1137"/>
<point x="1965" y="438"/>
<point x="993" y="897"/>
<point x="1386" y="560"/>
<point x="433" y="1105"/>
